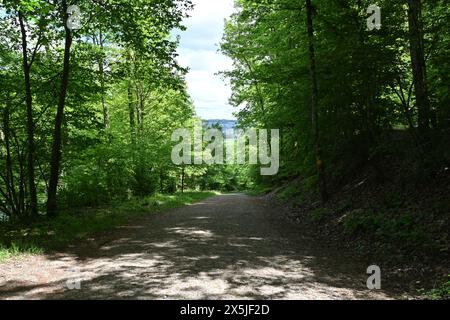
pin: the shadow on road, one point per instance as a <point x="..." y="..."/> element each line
<point x="227" y="247"/>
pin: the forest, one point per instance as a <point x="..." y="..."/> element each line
<point x="98" y="103"/>
<point x="363" y="113"/>
<point x="88" y="111"/>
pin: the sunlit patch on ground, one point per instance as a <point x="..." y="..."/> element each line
<point x="220" y="249"/>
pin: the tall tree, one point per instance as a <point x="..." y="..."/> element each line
<point x="101" y="70"/>
<point x="30" y="121"/>
<point x="418" y="63"/>
<point x="55" y="161"/>
<point x="315" y="103"/>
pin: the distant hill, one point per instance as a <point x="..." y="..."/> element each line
<point x="224" y="124"/>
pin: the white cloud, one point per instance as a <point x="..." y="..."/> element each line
<point x="198" y="51"/>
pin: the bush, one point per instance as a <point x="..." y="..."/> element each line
<point x="443" y="292"/>
<point x="320" y="214"/>
<point x="145" y="182"/>
<point x="95" y="176"/>
<point x="405" y="228"/>
<point x="84" y="187"/>
<point x="289" y="192"/>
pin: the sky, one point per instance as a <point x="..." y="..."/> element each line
<point x="198" y="50"/>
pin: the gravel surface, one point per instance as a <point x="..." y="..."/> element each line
<point x="227" y="247"/>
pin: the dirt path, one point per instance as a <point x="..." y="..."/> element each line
<point x="227" y="247"/>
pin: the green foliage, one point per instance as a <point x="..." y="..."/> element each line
<point x="310" y="184"/>
<point x="288" y="192"/>
<point x="15" y="250"/>
<point x="440" y="293"/>
<point x="404" y="229"/>
<point x="125" y="94"/>
<point x="320" y="214"/>
<point x="226" y="178"/>
<point x="363" y="80"/>
<point x="259" y="190"/>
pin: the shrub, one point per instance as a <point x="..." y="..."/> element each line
<point x="319" y="214"/>
<point x="405" y="228"/>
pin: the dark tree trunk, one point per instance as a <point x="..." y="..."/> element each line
<point x="182" y="179"/>
<point x="131" y="113"/>
<point x="30" y="123"/>
<point x="57" y="136"/>
<point x="102" y="82"/>
<point x="9" y="177"/>
<point x="130" y="98"/>
<point x="314" y="104"/>
<point x="139" y="107"/>
<point x="418" y="64"/>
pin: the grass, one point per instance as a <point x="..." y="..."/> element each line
<point x="18" y="239"/>
<point x="17" y="250"/>
<point x="258" y="191"/>
<point x="289" y="192"/>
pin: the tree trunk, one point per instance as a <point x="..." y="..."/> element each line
<point x="9" y="177"/>
<point x="30" y="123"/>
<point x="57" y="139"/>
<point x="182" y="179"/>
<point x="140" y="107"/>
<point x="314" y="104"/>
<point x="161" y="180"/>
<point x="131" y="112"/>
<point x="102" y="83"/>
<point x="418" y="64"/>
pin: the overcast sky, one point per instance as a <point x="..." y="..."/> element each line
<point x="198" y="51"/>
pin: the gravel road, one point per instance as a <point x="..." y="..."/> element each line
<point x="227" y="247"/>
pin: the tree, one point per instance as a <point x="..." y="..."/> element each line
<point x="138" y="32"/>
<point x="73" y="85"/>
<point x="30" y="121"/>
<point x="368" y="86"/>
<point x="418" y="63"/>
<point x="315" y="103"/>
<point x="55" y="161"/>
